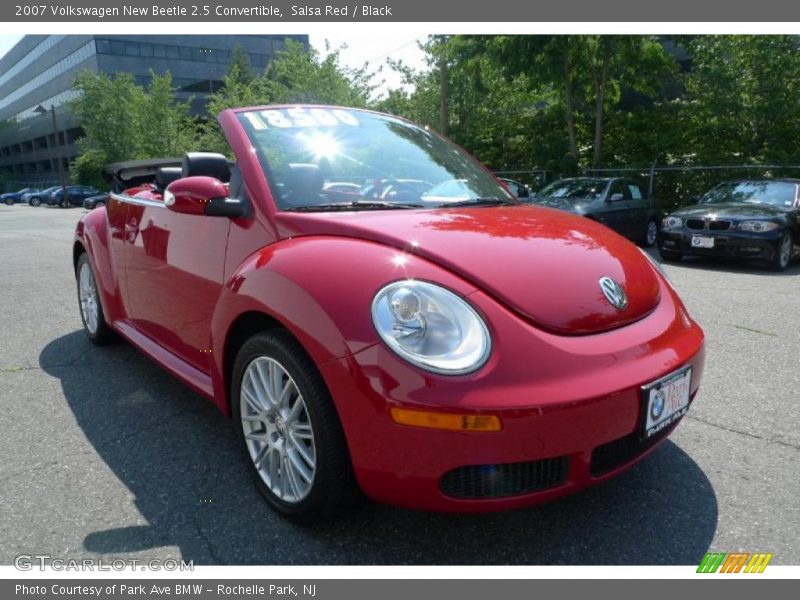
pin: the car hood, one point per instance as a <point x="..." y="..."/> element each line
<point x="733" y="211"/>
<point x="576" y="205"/>
<point x="543" y="264"/>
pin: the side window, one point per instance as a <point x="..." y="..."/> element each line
<point x="619" y="188"/>
<point x="635" y="191"/>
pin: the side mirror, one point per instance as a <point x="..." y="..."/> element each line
<point x="201" y="195"/>
<point x="616" y="197"/>
<point x="524" y="192"/>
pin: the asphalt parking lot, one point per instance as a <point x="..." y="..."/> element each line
<point x="105" y="455"/>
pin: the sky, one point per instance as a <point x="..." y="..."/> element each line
<point x="361" y="47"/>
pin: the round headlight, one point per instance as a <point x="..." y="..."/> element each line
<point x="431" y="327"/>
<point x="757" y="226"/>
<point x="670" y="222"/>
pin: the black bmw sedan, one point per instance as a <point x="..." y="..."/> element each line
<point x="746" y="219"/>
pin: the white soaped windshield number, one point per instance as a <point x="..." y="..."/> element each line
<point x="279" y="118"/>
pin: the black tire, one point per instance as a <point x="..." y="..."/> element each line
<point x="9" y="202"/>
<point x="783" y="253"/>
<point x="333" y="487"/>
<point x="35" y="201"/>
<point x="650" y="236"/>
<point x="669" y="255"/>
<point x="102" y="334"/>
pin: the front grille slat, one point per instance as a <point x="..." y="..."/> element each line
<point x="499" y="481"/>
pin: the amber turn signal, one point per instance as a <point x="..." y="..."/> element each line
<point x="448" y="421"/>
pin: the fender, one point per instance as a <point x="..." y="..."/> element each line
<point x="93" y="233"/>
<point x="299" y="281"/>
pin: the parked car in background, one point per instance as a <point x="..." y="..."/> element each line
<point x="618" y="203"/>
<point x="440" y="348"/>
<point x="35" y="198"/>
<point x="11" y="198"/>
<point x="76" y="194"/>
<point x="744" y="219"/>
<point x="519" y="189"/>
<point x="93" y="202"/>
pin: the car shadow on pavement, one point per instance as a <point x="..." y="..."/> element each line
<point x="723" y="265"/>
<point x="178" y="457"/>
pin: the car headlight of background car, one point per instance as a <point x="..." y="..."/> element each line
<point x="431" y="327"/>
<point x="757" y="226"/>
<point x="670" y="222"/>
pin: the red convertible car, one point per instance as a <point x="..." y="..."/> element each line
<point x="376" y="312"/>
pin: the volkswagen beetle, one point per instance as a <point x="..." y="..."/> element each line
<point x="421" y="338"/>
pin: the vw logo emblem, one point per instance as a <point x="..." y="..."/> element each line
<point x="614" y="293"/>
<point x="658" y="405"/>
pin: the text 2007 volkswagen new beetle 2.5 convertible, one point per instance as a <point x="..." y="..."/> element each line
<point x="377" y="313"/>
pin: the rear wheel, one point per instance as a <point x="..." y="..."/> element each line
<point x="10" y="201"/>
<point x="35" y="201"/>
<point x="289" y="429"/>
<point x="783" y="253"/>
<point x="94" y="321"/>
<point x="650" y="234"/>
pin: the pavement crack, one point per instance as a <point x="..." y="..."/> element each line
<point x="744" y="433"/>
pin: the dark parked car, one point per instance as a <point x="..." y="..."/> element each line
<point x="519" y="189"/>
<point x="746" y="219"/>
<point x="12" y="198"/>
<point x="620" y="204"/>
<point x="35" y="198"/>
<point x="93" y="202"/>
<point x="76" y="194"/>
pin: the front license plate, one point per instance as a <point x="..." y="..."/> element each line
<point x="702" y="241"/>
<point x="665" y="401"/>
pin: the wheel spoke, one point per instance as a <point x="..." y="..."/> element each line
<point x="275" y="380"/>
<point x="251" y="399"/>
<point x="291" y="476"/>
<point x="304" y="472"/>
<point x="286" y="393"/>
<point x="298" y="409"/>
<point x="263" y="383"/>
<point x="306" y="453"/>
<point x="302" y="431"/>
<point x="263" y="452"/>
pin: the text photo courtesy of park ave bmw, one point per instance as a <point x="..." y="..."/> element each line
<point x="372" y="293"/>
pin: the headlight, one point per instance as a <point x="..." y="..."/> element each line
<point x="757" y="226"/>
<point x="671" y="222"/>
<point x="431" y="327"/>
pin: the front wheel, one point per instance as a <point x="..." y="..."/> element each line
<point x="783" y="253"/>
<point x="94" y="321"/>
<point x="9" y="201"/>
<point x="289" y="429"/>
<point x="35" y="201"/>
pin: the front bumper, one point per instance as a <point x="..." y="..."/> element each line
<point x="570" y="408"/>
<point x="727" y="244"/>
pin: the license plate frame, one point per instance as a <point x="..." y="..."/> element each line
<point x="702" y="241"/>
<point x="675" y="391"/>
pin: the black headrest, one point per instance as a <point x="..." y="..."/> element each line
<point x="305" y="178"/>
<point x="166" y="175"/>
<point x="209" y="164"/>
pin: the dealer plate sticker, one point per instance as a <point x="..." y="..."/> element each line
<point x="702" y="241"/>
<point x="665" y="401"/>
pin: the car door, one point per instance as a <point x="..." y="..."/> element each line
<point x="611" y="211"/>
<point x="639" y="212"/>
<point x="174" y="276"/>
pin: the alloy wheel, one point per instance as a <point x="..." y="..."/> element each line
<point x="87" y="291"/>
<point x="277" y="430"/>
<point x="652" y="233"/>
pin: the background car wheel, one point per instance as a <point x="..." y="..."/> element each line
<point x="9" y="201"/>
<point x="669" y="256"/>
<point x="94" y="321"/>
<point x="289" y="429"/>
<point x="35" y="201"/>
<point x="783" y="253"/>
<point x="650" y="234"/>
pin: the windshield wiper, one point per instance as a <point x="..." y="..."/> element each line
<point x="476" y="202"/>
<point x="354" y="205"/>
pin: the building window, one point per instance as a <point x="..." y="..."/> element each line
<point x="131" y="49"/>
<point x="159" y="51"/>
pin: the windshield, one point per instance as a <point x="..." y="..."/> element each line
<point x="319" y="158"/>
<point x="777" y="193"/>
<point x="577" y="189"/>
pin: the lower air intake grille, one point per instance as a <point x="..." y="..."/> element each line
<point x="614" y="454"/>
<point x="498" y="481"/>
